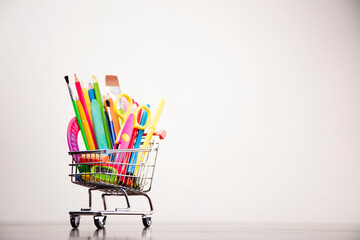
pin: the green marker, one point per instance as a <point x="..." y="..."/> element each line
<point x="98" y="125"/>
<point x="77" y="113"/>
<point x="98" y="98"/>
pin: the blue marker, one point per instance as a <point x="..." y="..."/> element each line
<point x="138" y="141"/>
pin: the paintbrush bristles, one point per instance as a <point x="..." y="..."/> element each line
<point x="111" y="81"/>
<point x="70" y="92"/>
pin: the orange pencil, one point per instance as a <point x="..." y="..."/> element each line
<point x="87" y="99"/>
<point x="86" y="127"/>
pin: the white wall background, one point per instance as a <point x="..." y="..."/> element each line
<point x="262" y="108"/>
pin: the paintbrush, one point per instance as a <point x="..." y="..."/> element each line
<point x="113" y="87"/>
<point x="77" y="113"/>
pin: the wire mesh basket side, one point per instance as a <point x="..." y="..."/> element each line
<point x="131" y="169"/>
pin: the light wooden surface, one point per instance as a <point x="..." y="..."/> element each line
<point x="116" y="230"/>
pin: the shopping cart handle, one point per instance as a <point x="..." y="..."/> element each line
<point x="160" y="133"/>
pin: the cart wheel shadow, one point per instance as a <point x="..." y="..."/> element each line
<point x="100" y="233"/>
<point x="146" y="233"/>
<point x="74" y="233"/>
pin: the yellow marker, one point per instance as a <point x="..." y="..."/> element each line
<point x="87" y="100"/>
<point x="151" y="131"/>
<point x="85" y="126"/>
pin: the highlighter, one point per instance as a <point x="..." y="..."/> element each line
<point x="104" y="174"/>
<point x="101" y="107"/>
<point x="98" y="125"/>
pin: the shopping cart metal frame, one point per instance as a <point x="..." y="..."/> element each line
<point x="100" y="180"/>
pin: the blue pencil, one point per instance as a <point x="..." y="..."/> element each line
<point x="91" y="92"/>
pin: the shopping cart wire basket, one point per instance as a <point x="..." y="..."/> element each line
<point x="122" y="172"/>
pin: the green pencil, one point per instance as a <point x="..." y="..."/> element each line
<point x="77" y="114"/>
<point x="98" y="99"/>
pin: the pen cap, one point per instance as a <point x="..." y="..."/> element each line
<point x="155" y="120"/>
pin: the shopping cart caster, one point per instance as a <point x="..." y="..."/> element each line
<point x="99" y="221"/>
<point x="75" y="221"/>
<point x="146" y="221"/>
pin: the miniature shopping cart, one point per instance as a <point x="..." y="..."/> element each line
<point x="115" y="173"/>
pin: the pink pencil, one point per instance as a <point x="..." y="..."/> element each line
<point x="82" y="101"/>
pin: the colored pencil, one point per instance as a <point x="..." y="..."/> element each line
<point x="82" y="100"/>
<point x="86" y="127"/>
<point x="87" y="99"/>
<point x="91" y="92"/>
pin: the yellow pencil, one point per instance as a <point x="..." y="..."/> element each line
<point x="87" y="100"/>
<point x="85" y="126"/>
<point x="151" y="131"/>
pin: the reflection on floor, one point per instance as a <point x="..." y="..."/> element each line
<point x="180" y="231"/>
<point x="101" y="233"/>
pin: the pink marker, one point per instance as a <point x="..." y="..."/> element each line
<point x="123" y="140"/>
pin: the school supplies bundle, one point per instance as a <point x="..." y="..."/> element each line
<point x="121" y="145"/>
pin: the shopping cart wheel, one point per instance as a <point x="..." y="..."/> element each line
<point x="99" y="221"/>
<point x="146" y="221"/>
<point x="75" y="221"/>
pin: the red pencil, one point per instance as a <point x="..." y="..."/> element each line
<point x="82" y="101"/>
